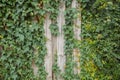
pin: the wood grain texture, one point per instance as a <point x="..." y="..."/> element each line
<point x="60" y="39"/>
<point x="48" y="57"/>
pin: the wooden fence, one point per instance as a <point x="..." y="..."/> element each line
<point x="55" y="45"/>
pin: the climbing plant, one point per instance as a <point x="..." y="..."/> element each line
<point x="100" y="58"/>
<point x="52" y="7"/>
<point x="21" y="35"/>
<point x="22" y="40"/>
<point x="70" y="16"/>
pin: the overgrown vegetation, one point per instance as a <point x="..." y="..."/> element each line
<point x="22" y="35"/>
<point x="100" y="40"/>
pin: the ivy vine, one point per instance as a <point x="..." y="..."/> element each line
<point x="21" y="34"/>
<point x="52" y="7"/>
<point x="100" y="59"/>
<point x="70" y="14"/>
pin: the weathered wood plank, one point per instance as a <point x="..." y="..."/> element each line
<point x="77" y="32"/>
<point x="60" y="38"/>
<point x="48" y="57"/>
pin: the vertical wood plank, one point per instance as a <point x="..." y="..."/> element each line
<point x="48" y="57"/>
<point x="54" y="51"/>
<point x="60" y="38"/>
<point x="77" y="32"/>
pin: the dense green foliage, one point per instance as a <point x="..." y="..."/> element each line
<point x="21" y="35"/>
<point x="53" y="8"/>
<point x="69" y="41"/>
<point x="100" y="40"/>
